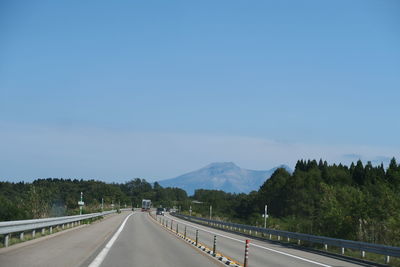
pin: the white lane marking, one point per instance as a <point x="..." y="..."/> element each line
<point x="290" y="255"/>
<point x="100" y="258"/>
<point x="251" y="244"/>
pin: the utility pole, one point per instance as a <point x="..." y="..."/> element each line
<point x="210" y="212"/>
<point x="265" y="216"/>
<point x="81" y="203"/>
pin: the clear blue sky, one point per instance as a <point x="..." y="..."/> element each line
<point x="118" y="89"/>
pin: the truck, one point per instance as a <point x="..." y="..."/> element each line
<point x="146" y="204"/>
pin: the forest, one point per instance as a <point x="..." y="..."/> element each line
<point x="356" y="202"/>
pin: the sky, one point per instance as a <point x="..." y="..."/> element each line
<point x="113" y="90"/>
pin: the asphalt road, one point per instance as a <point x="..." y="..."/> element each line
<point x="143" y="243"/>
<point x="261" y="253"/>
<point x="72" y="247"/>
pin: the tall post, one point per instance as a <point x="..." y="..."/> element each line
<point x="215" y="245"/>
<point x="210" y="212"/>
<point x="246" y="254"/>
<point x="265" y="216"/>
<point x="81" y="205"/>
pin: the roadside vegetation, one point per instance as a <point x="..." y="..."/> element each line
<point x="358" y="202"/>
<point x="353" y="202"/>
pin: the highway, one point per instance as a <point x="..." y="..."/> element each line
<point x="145" y="243"/>
<point x="67" y="248"/>
<point x="142" y="242"/>
<point x="260" y="253"/>
<point x="135" y="239"/>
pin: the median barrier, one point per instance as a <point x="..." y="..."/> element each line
<point x="363" y="247"/>
<point x="212" y="252"/>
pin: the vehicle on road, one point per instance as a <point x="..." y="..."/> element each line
<point x="146" y="204"/>
<point x="160" y="211"/>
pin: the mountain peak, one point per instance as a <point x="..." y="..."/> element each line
<point x="225" y="176"/>
<point x="222" y="165"/>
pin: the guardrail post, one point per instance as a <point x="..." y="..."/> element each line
<point x="51" y="229"/>
<point x="342" y="251"/>
<point x="43" y="231"/>
<point x="21" y="236"/>
<point x="270" y="236"/>
<point x="279" y="238"/>
<point x="362" y="254"/>
<point x="246" y="254"/>
<point x="299" y="242"/>
<point x="288" y="239"/>
<point x="197" y="237"/>
<point x="215" y="245"/>
<point x="326" y="247"/>
<point x="62" y="226"/>
<point x="33" y="233"/>
<point x="387" y="259"/>
<point x="185" y="232"/>
<point x="7" y="240"/>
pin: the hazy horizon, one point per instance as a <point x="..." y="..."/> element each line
<point x="114" y="91"/>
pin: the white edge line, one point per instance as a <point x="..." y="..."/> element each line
<point x="251" y="244"/>
<point x="103" y="253"/>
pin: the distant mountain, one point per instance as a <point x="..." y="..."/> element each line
<point x="226" y="176"/>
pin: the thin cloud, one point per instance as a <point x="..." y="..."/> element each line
<point x="117" y="156"/>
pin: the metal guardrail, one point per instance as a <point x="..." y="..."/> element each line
<point x="21" y="226"/>
<point x="326" y="241"/>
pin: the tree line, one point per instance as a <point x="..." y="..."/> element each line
<point x="356" y="202"/>
<point x="59" y="197"/>
<point x="353" y="202"/>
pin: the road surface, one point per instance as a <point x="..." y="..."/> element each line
<point x="67" y="248"/>
<point x="260" y="253"/>
<point x="143" y="242"/>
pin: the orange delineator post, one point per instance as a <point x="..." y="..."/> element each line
<point x="246" y="254"/>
